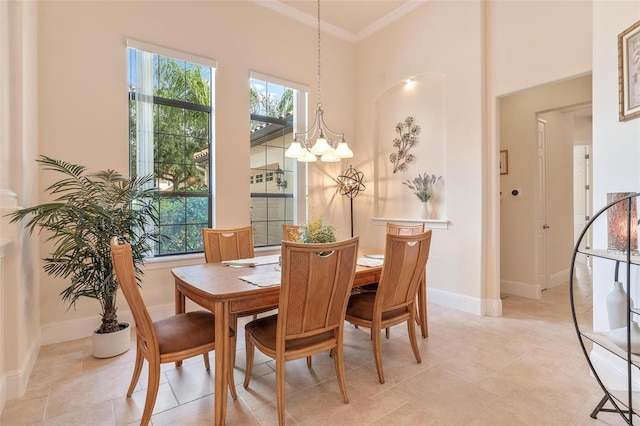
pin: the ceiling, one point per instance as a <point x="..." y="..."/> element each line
<point x="351" y="20"/>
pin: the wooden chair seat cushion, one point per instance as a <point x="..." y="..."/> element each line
<point x="361" y="306"/>
<point x="264" y="331"/>
<point x="185" y="331"/>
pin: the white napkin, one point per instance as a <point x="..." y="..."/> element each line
<point x="252" y="261"/>
<point x="263" y="280"/>
<point x="374" y="256"/>
<point x="369" y="262"/>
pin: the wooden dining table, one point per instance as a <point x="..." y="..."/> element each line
<point x="219" y="289"/>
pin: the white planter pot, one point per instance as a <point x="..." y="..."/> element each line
<point x="107" y="345"/>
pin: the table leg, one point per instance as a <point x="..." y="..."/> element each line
<point x="221" y="312"/>
<point x="180" y="309"/>
<point x="422" y="306"/>
<point x="180" y="302"/>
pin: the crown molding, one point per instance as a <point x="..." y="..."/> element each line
<point x="334" y="30"/>
<point x="293" y="13"/>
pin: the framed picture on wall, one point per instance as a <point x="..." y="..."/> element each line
<point x="504" y="162"/>
<point x="629" y="72"/>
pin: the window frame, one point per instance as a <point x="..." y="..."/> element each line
<point x="300" y="170"/>
<point x="211" y="64"/>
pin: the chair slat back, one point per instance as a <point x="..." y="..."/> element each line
<point x="405" y="260"/>
<point x="125" y="273"/>
<point x="290" y="232"/>
<point x="397" y="229"/>
<point x="316" y="283"/>
<point x="227" y="244"/>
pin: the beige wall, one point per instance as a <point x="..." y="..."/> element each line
<point x="616" y="145"/>
<point x="414" y="46"/>
<point x="83" y="96"/>
<point x="530" y="43"/>
<point x="499" y="57"/>
<point x="535" y="42"/>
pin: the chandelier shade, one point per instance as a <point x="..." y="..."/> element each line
<point x="319" y="140"/>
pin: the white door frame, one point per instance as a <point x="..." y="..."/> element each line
<point x="542" y="275"/>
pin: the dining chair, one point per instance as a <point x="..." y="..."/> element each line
<point x="315" y="286"/>
<point x="399" y="229"/>
<point x="403" y="229"/>
<point x="290" y="232"/>
<point x="405" y="259"/>
<point x="227" y="244"/>
<point x="168" y="340"/>
<point x="230" y="244"/>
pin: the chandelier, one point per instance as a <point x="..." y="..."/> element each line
<point x="330" y="146"/>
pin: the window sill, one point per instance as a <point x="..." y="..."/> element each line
<point x="428" y="223"/>
<point x="169" y="262"/>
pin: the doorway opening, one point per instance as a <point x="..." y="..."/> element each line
<point x="539" y="128"/>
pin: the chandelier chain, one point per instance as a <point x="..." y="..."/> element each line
<point x="319" y="89"/>
<point x="328" y="145"/>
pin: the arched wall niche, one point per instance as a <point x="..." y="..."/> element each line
<point x="423" y="98"/>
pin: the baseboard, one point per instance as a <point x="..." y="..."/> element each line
<point x="472" y="305"/>
<point x="492" y="308"/>
<point x="612" y="370"/>
<point x="559" y="278"/>
<point x="15" y="382"/>
<point x="520" y="289"/>
<point x="77" y="329"/>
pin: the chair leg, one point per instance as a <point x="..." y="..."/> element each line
<point x="280" y="390"/>
<point x="338" y="359"/>
<point x="413" y="339"/>
<point x="136" y="370"/>
<point x="387" y="332"/>
<point x="422" y="308"/>
<point x="377" y="351"/>
<point x="207" y="364"/>
<point x="231" y="379"/>
<point x="309" y="361"/>
<point x="152" y="392"/>
<point x="249" y="357"/>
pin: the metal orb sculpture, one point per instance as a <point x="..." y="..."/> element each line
<point x="350" y="182"/>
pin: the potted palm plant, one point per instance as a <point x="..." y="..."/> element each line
<point x="89" y="208"/>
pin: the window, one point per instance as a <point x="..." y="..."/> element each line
<point x="170" y="116"/>
<point x="273" y="107"/>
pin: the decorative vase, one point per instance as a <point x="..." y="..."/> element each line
<point x="617" y="306"/>
<point x="425" y="213"/>
<point x="107" y="345"/>
<point x="619" y="337"/>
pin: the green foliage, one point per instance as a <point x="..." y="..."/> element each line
<point x="89" y="208"/>
<point x="178" y="132"/>
<point x="314" y="231"/>
<point x="268" y="105"/>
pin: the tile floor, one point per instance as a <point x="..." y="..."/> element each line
<point x="525" y="368"/>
